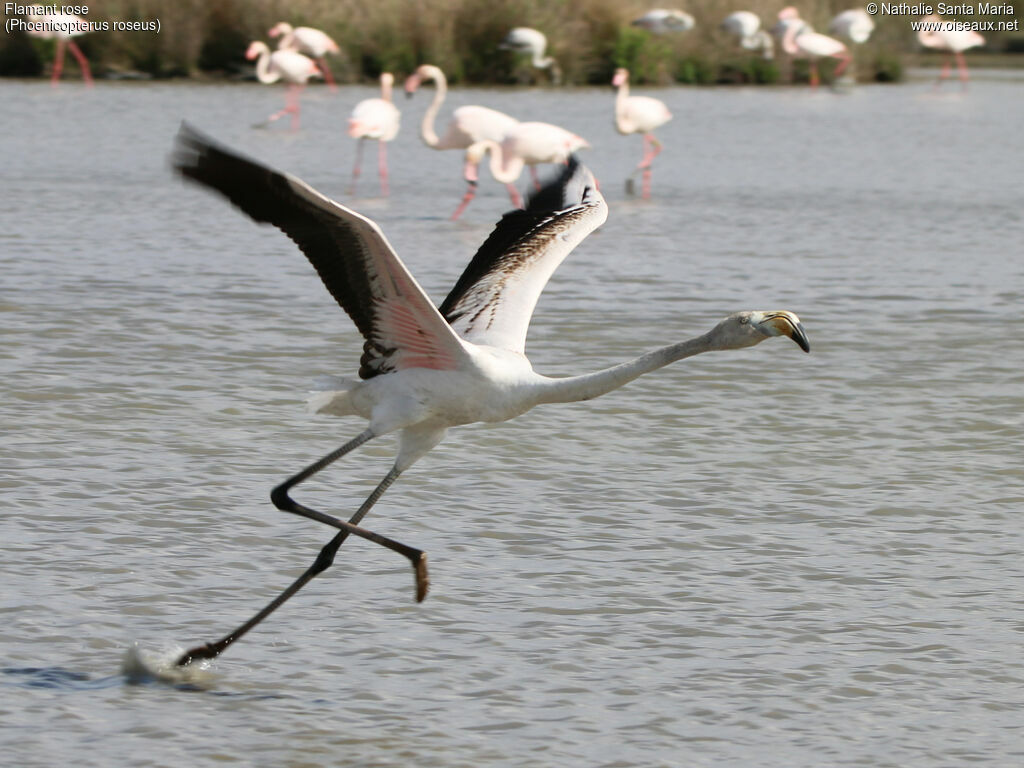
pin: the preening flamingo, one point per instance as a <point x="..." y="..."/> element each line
<point x="307" y="40"/>
<point x="942" y="36"/>
<point x="62" y="27"/>
<point x="425" y="369"/>
<point x="290" y="66"/>
<point x="534" y="43"/>
<point x="375" y="119"/>
<point x="639" y="114"/>
<point x="801" y="41"/>
<point x="527" y="144"/>
<point x="856" y="25"/>
<point x="745" y="26"/>
<point x="662" y="21"/>
<point x="468" y="125"/>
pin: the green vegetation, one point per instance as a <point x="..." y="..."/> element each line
<point x="588" y="37"/>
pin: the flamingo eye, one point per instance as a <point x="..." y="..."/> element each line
<point x="744" y="320"/>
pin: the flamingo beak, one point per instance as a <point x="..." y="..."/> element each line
<point x="782" y="323"/>
<point x="412" y="82"/>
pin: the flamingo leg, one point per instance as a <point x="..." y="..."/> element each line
<point x="514" y="196"/>
<point x="844" y="62"/>
<point x="961" y="64"/>
<point x="947" y="64"/>
<point x="328" y="76"/>
<point x="382" y="166"/>
<point x="325" y="559"/>
<point x="83" y="63"/>
<point x="815" y="79"/>
<point x="466" y="198"/>
<point x="652" y="148"/>
<point x="58" y="63"/>
<point x="356" y="167"/>
<point x="535" y="177"/>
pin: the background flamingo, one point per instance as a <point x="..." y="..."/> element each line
<point x="534" y="43"/>
<point x="527" y="144"/>
<point x="307" y="40"/>
<point x="953" y="41"/>
<point x="639" y="114"/>
<point x="745" y="26"/>
<point x="468" y="125"/>
<point x="63" y="31"/>
<point x="854" y="25"/>
<point x="290" y="66"/>
<point x="375" y="119"/>
<point x="662" y="21"/>
<point x="425" y="369"/>
<point x="801" y="41"/>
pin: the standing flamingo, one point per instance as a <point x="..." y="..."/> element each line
<point x="801" y="41"/>
<point x="375" y="119"/>
<point x="527" y="144"/>
<point x="639" y="114"/>
<point x="468" y="125"/>
<point x="662" y="21"/>
<point x="425" y="368"/>
<point x="745" y="26"/>
<point x="62" y="27"/>
<point x="534" y="43"/>
<point x="290" y="66"/>
<point x="307" y="40"/>
<point x="935" y="33"/>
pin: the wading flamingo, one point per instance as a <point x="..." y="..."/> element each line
<point x="799" y="40"/>
<point x="745" y="26"/>
<point x="639" y="114"/>
<point x="375" y="119"/>
<point x="526" y="144"/>
<point x="532" y="42"/>
<point x="941" y="36"/>
<point x="425" y="368"/>
<point x="294" y="68"/>
<point x="662" y="21"/>
<point x="307" y="40"/>
<point x="467" y="126"/>
<point x="62" y="27"/>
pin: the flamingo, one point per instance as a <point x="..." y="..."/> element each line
<point x="375" y="119"/>
<point x="746" y="27"/>
<point x="468" y="125"/>
<point x="639" y="114"/>
<point x="855" y="25"/>
<point x="425" y="369"/>
<point x="527" y="144"/>
<point x="799" y="40"/>
<point x="661" y="21"/>
<point x="933" y="32"/>
<point x="292" y="67"/>
<point x="532" y="42"/>
<point x="62" y="27"/>
<point x="307" y="40"/>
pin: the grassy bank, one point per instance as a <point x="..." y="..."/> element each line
<point x="588" y="37"/>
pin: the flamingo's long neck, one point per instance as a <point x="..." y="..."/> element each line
<point x="427" y="132"/>
<point x="621" y="119"/>
<point x="263" y="71"/>
<point x="385" y="88"/>
<point x="505" y="167"/>
<point x="575" y="388"/>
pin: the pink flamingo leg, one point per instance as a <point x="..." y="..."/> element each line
<point x="844" y="62"/>
<point x="58" y="63"/>
<point x="514" y="196"/>
<point x="355" y="168"/>
<point x="961" y="64"/>
<point x="83" y="63"/>
<point x="947" y="63"/>
<point x="652" y="148"/>
<point x="535" y="177"/>
<point x="814" y="73"/>
<point x="469" y="173"/>
<point x="382" y="166"/>
<point x="322" y="63"/>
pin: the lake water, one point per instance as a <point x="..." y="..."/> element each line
<point x="760" y="558"/>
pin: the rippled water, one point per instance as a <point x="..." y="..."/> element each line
<point x="761" y="558"/>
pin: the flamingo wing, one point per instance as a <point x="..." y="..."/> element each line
<point x="493" y="300"/>
<point x="402" y="327"/>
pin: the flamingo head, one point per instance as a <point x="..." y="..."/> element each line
<point x="255" y="49"/>
<point x="789" y="12"/>
<point x="621" y="77"/>
<point x="745" y="329"/>
<point x="281" y="28"/>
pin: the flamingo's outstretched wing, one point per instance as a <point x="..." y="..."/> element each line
<point x="491" y="304"/>
<point x="401" y="325"/>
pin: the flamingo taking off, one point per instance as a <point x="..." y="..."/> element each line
<point x="375" y="119"/>
<point x="801" y="41"/>
<point x="62" y="27"/>
<point x="292" y="67"/>
<point x="307" y="40"/>
<point x="425" y="369"/>
<point x="854" y="25"/>
<point x="468" y="125"/>
<point x="942" y="36"/>
<point x="662" y="21"/>
<point x="527" y="144"/>
<point x="534" y="43"/>
<point x="745" y="26"/>
<point x="639" y="114"/>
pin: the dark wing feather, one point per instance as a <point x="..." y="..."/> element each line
<point x="356" y="263"/>
<point x="493" y="300"/>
